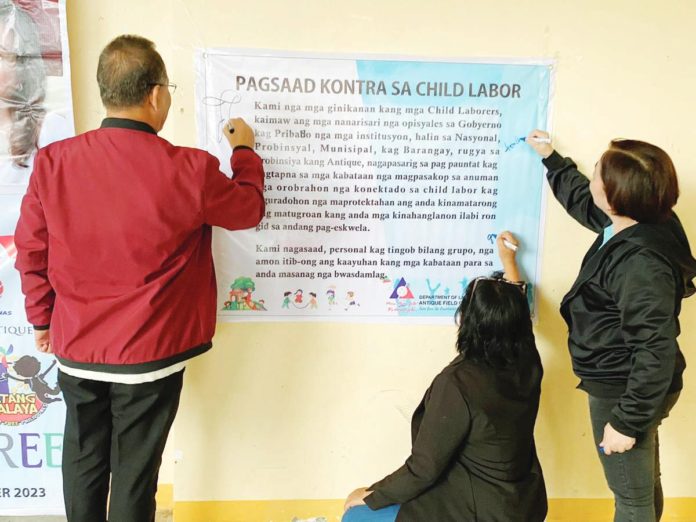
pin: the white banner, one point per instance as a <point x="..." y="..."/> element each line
<point x="387" y="180"/>
<point x="37" y="109"/>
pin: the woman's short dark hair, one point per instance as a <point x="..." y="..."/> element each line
<point x="640" y="180"/>
<point x="128" y="69"/>
<point x="495" y="325"/>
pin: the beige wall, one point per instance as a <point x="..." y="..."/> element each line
<point x="301" y="411"/>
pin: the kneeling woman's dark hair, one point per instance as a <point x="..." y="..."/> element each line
<point x="495" y="326"/>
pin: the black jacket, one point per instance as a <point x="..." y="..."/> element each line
<point x="623" y="309"/>
<point x="473" y="456"/>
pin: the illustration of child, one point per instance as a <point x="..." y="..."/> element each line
<point x="28" y="368"/>
<point x="331" y="296"/>
<point x="350" y="298"/>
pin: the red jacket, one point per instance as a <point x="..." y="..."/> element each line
<point x="114" y="245"/>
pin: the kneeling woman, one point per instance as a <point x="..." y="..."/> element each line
<point x="473" y="456"/>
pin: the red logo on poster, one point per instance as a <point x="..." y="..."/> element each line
<point x="7" y="244"/>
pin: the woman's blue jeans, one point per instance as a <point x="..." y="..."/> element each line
<point x="365" y="514"/>
<point x="633" y="476"/>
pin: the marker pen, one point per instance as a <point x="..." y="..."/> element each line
<point x="511" y="246"/>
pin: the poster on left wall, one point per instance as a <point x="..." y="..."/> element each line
<point x="35" y="110"/>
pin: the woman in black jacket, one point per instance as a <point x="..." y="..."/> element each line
<point x="473" y="456"/>
<point x="623" y="310"/>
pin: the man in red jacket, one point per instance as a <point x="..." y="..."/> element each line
<point x="114" y="251"/>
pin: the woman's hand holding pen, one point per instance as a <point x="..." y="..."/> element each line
<point x="540" y="141"/>
<point x="507" y="249"/>
<point x="615" y="442"/>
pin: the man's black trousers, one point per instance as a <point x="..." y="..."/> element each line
<point x="118" y="432"/>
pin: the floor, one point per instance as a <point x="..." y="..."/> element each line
<point x="162" y="516"/>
